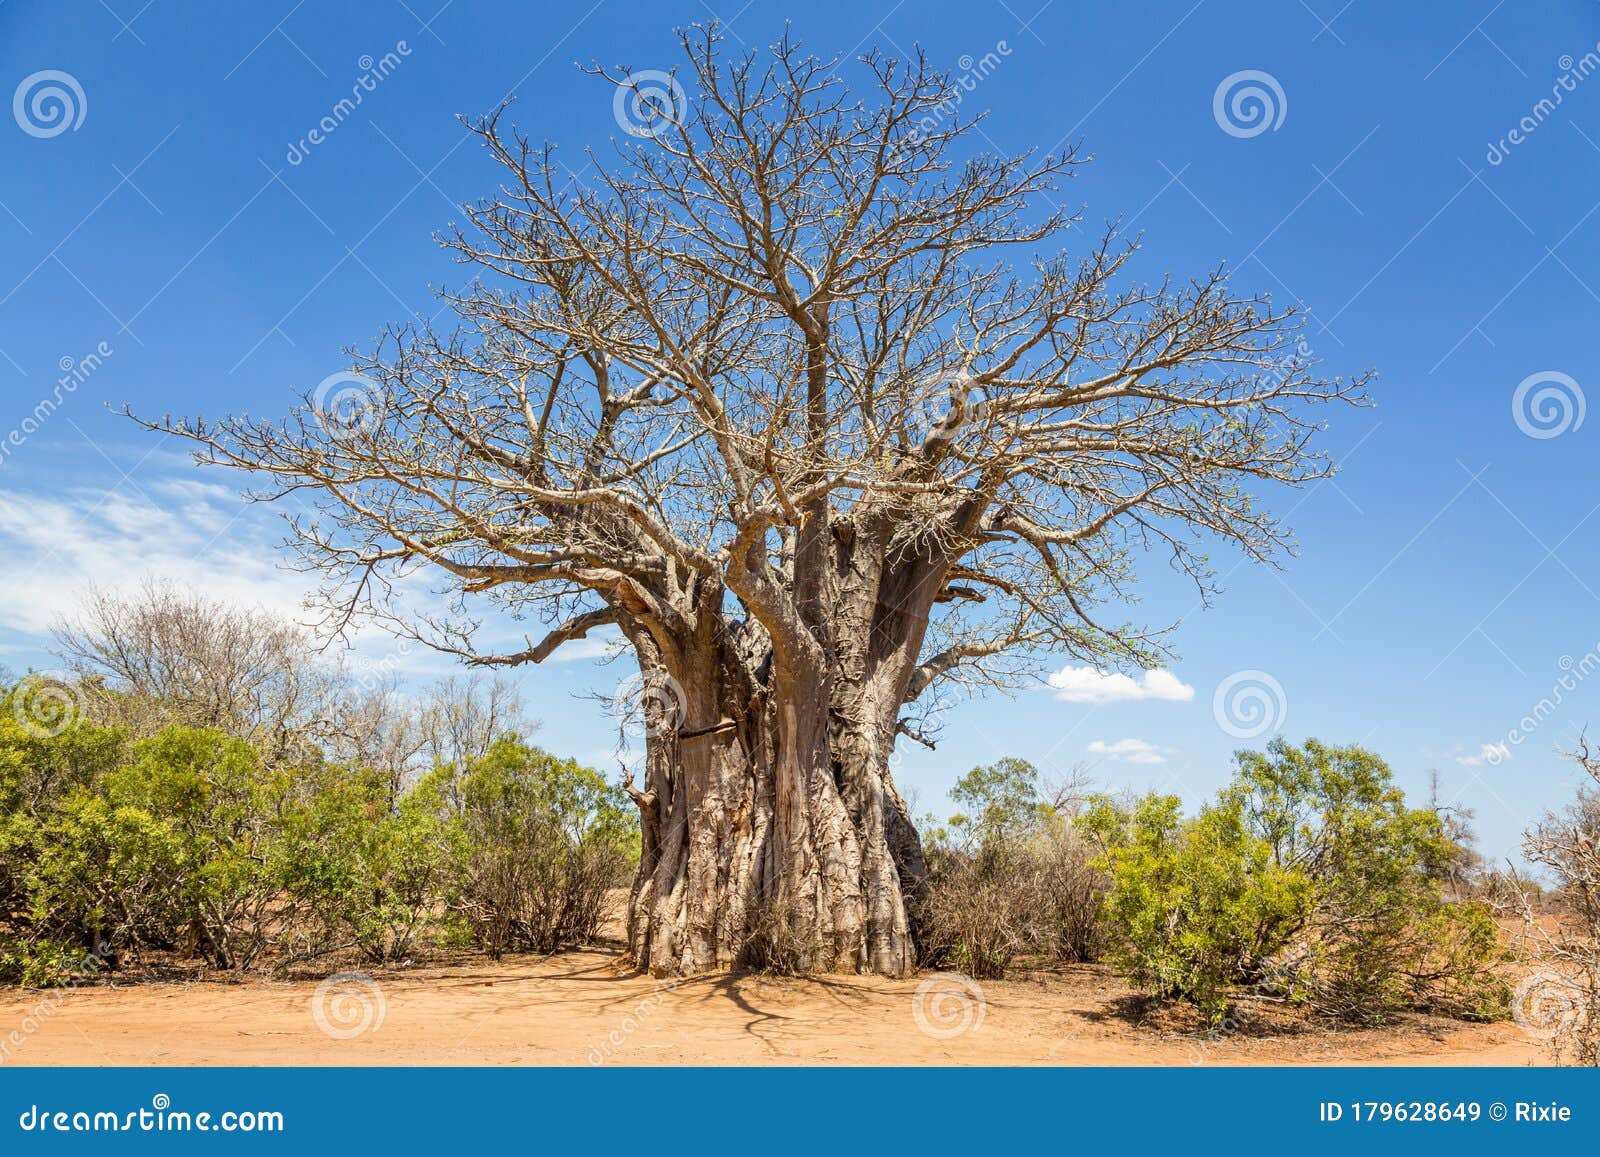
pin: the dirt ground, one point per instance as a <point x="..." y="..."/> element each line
<point x="579" y="1009"/>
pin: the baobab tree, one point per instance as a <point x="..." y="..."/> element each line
<point x="800" y="394"/>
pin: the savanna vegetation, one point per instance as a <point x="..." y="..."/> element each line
<point x="1562" y="1000"/>
<point x="830" y="409"/>
<point x="296" y="815"/>
<point x="201" y="791"/>
<point x="1308" y="880"/>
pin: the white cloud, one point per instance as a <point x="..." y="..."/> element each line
<point x="1490" y="753"/>
<point x="59" y="543"/>
<point x="1129" y="751"/>
<point x="1087" y="685"/>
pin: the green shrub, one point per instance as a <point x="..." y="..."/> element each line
<point x="168" y="851"/>
<point x="534" y="846"/>
<point x="1310" y="877"/>
<point x="1199" y="905"/>
<point x="355" y="872"/>
<point x="189" y="845"/>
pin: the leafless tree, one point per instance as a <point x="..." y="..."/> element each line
<point x="166" y="655"/>
<point x="1562" y="1001"/>
<point x="462" y="718"/>
<point x="769" y="396"/>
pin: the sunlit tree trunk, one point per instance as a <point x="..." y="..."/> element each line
<point x="771" y="837"/>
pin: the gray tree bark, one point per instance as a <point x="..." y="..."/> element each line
<point x="773" y="832"/>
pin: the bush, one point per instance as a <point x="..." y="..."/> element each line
<point x="168" y="851"/>
<point x="1011" y="874"/>
<point x="1562" y="999"/>
<point x="188" y="844"/>
<point x="535" y="846"/>
<point x="980" y="911"/>
<point x="1309" y="877"/>
<point x="1199" y="906"/>
<point x="354" y="872"/>
<point x="1071" y="917"/>
<point x="37" y="770"/>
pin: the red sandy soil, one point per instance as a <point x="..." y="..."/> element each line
<point x="578" y="1008"/>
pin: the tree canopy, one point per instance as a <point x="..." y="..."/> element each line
<point x="824" y="410"/>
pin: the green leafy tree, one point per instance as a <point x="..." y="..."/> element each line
<point x="1310" y="875"/>
<point x="1199" y="905"/>
<point x="167" y="850"/>
<point x="1000" y="803"/>
<point x="536" y="845"/>
<point x="1381" y="934"/>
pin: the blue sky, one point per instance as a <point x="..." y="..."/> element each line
<point x="1447" y="581"/>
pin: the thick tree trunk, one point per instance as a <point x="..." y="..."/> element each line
<point x="769" y="838"/>
<point x="774" y="835"/>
